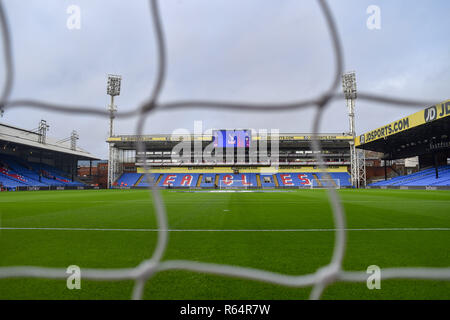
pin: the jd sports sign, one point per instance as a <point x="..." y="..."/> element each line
<point x="433" y="113"/>
<point x="430" y="114"/>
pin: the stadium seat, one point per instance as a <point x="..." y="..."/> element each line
<point x="142" y="181"/>
<point x="231" y="180"/>
<point x="426" y="177"/>
<point x="21" y="173"/>
<point x="178" y="180"/>
<point x="295" y="179"/>
<point x="128" y="179"/>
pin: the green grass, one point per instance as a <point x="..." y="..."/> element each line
<point x="292" y="253"/>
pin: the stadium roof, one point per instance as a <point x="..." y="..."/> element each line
<point x="285" y="139"/>
<point x="15" y="135"/>
<point x="422" y="132"/>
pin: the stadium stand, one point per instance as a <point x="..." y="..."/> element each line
<point x="128" y="179"/>
<point x="422" y="135"/>
<point x="245" y="163"/>
<point x="227" y="180"/>
<point x="296" y="179"/>
<point x="425" y="177"/>
<point x="31" y="160"/>
<point x="142" y="179"/>
<point x="16" y="173"/>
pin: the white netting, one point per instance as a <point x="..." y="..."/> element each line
<point x="233" y="184"/>
<point x="319" y="280"/>
<point x="326" y="183"/>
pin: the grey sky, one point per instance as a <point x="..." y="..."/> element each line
<point x="229" y="50"/>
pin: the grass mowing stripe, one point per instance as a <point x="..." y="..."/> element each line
<point x="227" y="230"/>
<point x="290" y="233"/>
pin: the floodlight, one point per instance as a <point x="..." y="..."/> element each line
<point x="113" y="85"/>
<point x="349" y="85"/>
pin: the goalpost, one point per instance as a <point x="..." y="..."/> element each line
<point x="326" y="184"/>
<point x="237" y="184"/>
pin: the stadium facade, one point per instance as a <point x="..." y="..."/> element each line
<point x="231" y="158"/>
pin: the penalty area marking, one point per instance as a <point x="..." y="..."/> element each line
<point x="226" y="230"/>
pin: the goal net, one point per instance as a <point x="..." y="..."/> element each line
<point x="319" y="279"/>
<point x="235" y="184"/>
<point x="326" y="184"/>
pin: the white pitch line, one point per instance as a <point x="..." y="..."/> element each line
<point x="227" y="230"/>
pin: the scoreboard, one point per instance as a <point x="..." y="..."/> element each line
<point x="232" y="138"/>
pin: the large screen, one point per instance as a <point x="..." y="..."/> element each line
<point x="231" y="138"/>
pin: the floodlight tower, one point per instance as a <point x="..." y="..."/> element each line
<point x="112" y="89"/>
<point x="73" y="140"/>
<point x="349" y="88"/>
<point x="42" y="129"/>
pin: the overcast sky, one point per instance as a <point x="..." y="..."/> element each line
<point x="229" y="50"/>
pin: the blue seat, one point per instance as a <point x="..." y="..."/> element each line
<point x="422" y="178"/>
<point x="337" y="178"/>
<point x="230" y="180"/>
<point x="178" y="180"/>
<point x="128" y="179"/>
<point x="33" y="174"/>
<point x="144" y="182"/>
<point x="295" y="179"/>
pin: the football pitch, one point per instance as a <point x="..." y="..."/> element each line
<point x="285" y="232"/>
